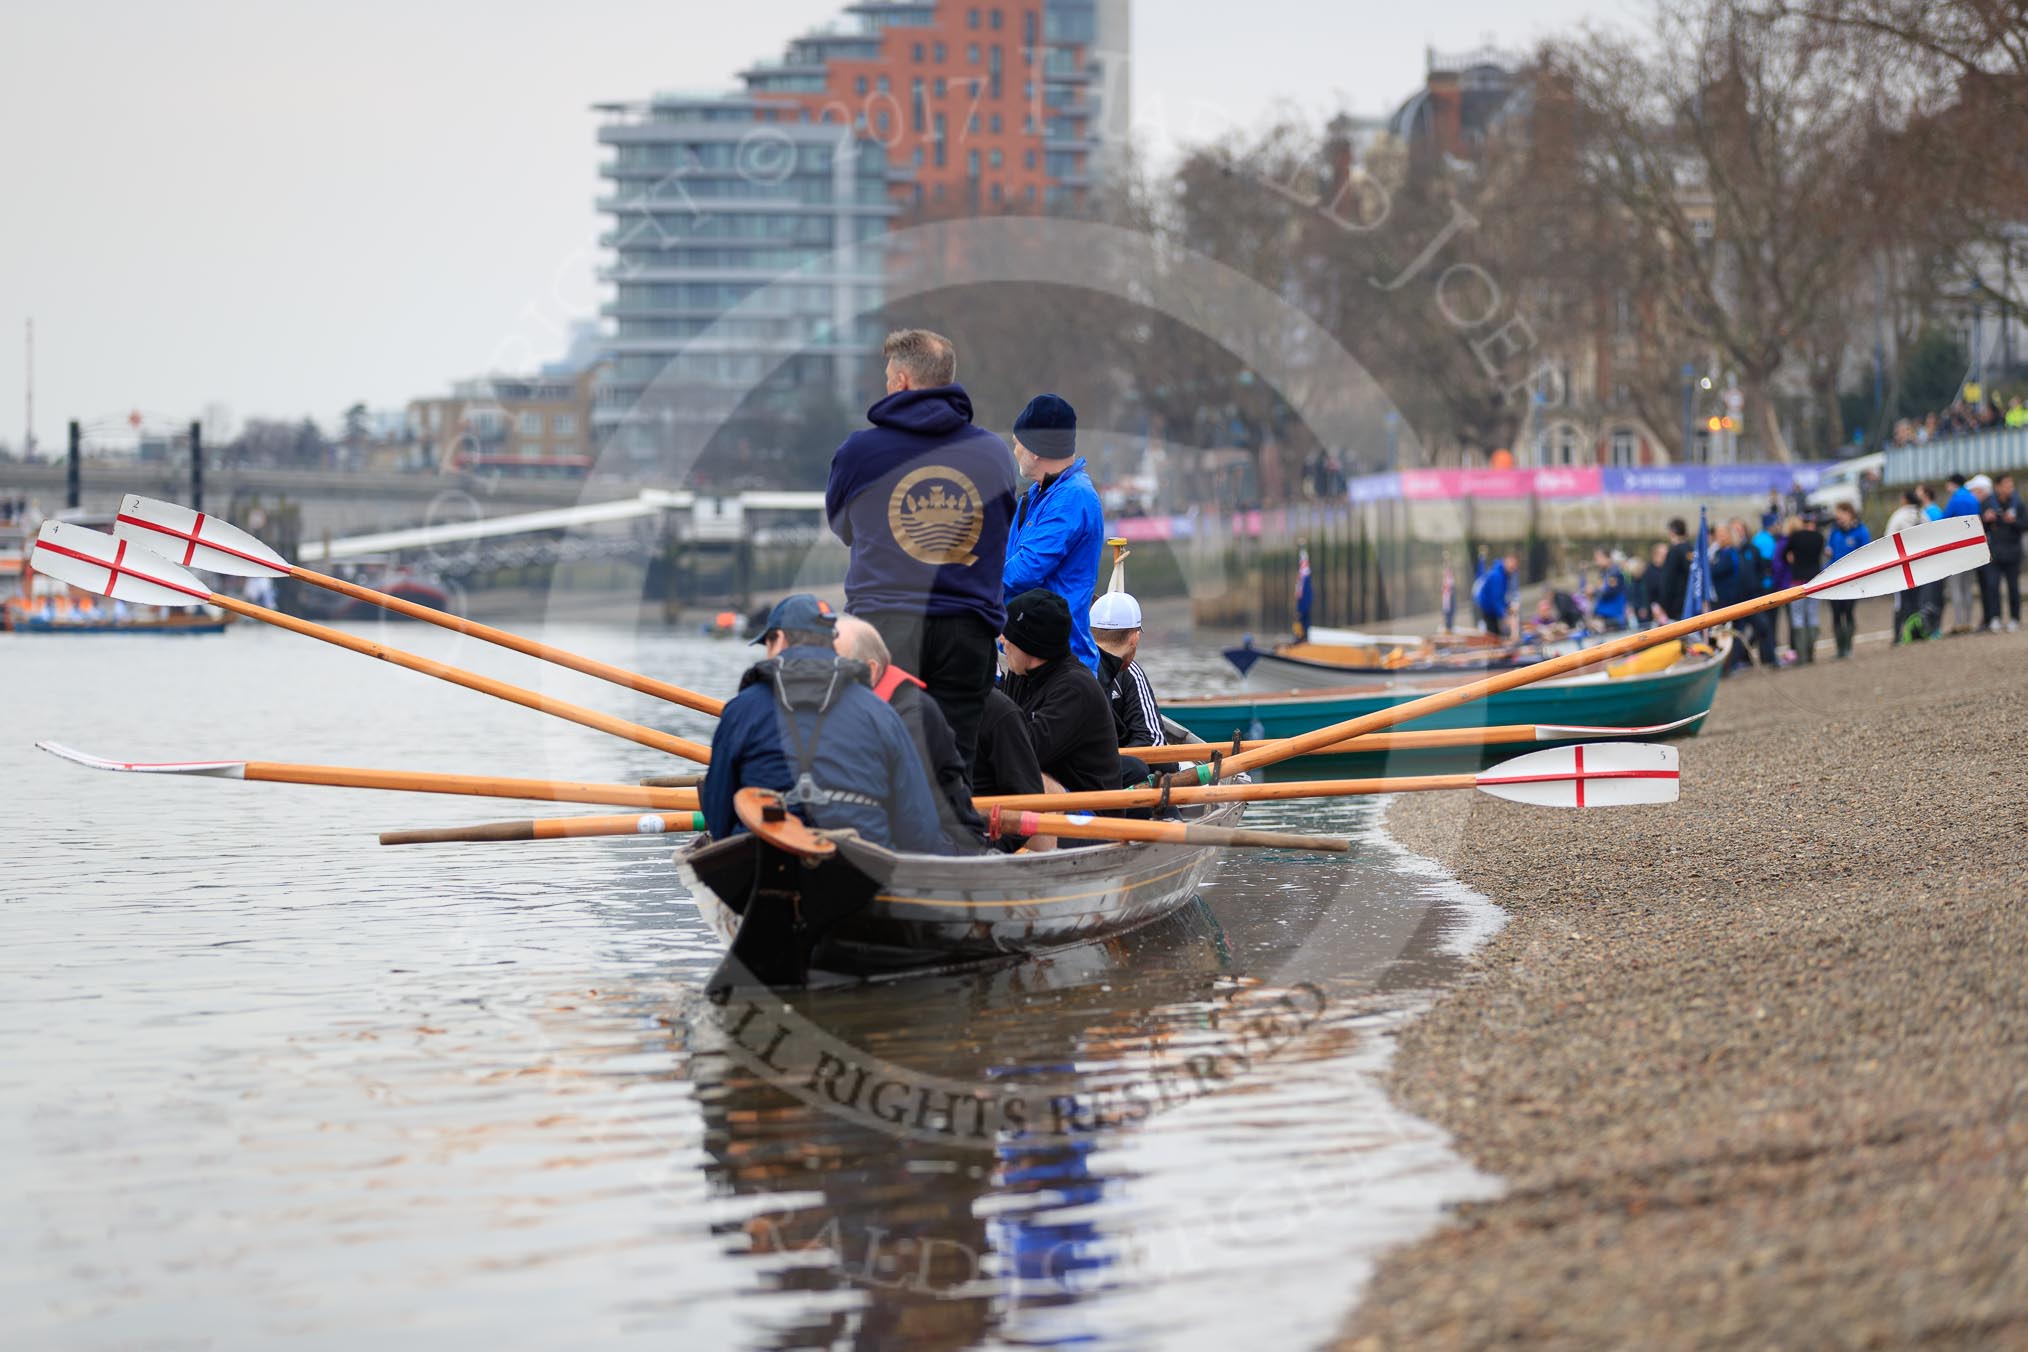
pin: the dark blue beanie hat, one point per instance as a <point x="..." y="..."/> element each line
<point x="1048" y="427"/>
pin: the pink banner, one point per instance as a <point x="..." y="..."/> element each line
<point x="1451" y="484"/>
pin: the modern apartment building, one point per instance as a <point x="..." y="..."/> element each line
<point x="748" y="227"/>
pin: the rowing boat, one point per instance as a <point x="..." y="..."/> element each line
<point x="1318" y="664"/>
<point x="800" y="909"/>
<point x="1590" y="699"/>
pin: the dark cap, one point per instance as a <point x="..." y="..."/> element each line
<point x="801" y="611"/>
<point x="1038" y="623"/>
<point x="1048" y="427"/>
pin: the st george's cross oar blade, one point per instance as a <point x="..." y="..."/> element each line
<point x="194" y="540"/>
<point x="1593" y="774"/>
<point x="215" y="546"/>
<point x="1915" y="557"/>
<point x="124" y="571"/>
<point x="117" y="569"/>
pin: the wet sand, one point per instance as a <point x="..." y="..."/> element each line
<point x="1754" y="1066"/>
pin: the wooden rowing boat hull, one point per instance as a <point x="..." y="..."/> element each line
<point x="904" y="915"/>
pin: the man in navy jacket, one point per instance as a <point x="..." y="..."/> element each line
<point x="1059" y="530"/>
<point x="807" y="711"/>
<point x="923" y="499"/>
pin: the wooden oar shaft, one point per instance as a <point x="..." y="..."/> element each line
<point x="1177" y="752"/>
<point x="471" y="680"/>
<point x="1172" y="833"/>
<point x="1506" y="680"/>
<point x="476" y="786"/>
<point x="589" y="666"/>
<point x="1107" y="800"/>
<point x="549" y="828"/>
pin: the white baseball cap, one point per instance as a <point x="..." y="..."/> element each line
<point x="1116" y="610"/>
<point x="1977" y="483"/>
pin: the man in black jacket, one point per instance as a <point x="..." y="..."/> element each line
<point x="1675" y="572"/>
<point x="1070" y="721"/>
<point x="2005" y="518"/>
<point x="1116" y="628"/>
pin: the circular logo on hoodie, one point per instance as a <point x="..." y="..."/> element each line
<point x="936" y="516"/>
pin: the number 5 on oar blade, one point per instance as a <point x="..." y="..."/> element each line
<point x="205" y="542"/>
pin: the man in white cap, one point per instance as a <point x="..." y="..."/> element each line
<point x="1116" y="629"/>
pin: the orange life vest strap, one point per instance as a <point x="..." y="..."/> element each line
<point x="890" y="681"/>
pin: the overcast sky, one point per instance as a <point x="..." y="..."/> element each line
<point x="283" y="208"/>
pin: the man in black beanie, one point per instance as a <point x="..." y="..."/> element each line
<point x="1069" y="719"/>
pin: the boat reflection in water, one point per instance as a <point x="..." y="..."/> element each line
<point x="870" y="1205"/>
<point x="1083" y="1145"/>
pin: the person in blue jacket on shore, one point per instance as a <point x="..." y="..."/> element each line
<point x="806" y="724"/>
<point x="1059" y="530"/>
<point x="923" y="499"/>
<point x="1848" y="533"/>
<point x="1966" y="499"/>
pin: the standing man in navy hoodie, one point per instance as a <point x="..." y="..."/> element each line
<point x="922" y="499"/>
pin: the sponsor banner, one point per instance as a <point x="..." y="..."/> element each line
<point x="1714" y="481"/>
<point x="1661" y="481"/>
<point x="1374" y="488"/>
<point x="1451" y="484"/>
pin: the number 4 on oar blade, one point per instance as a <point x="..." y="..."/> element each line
<point x="1596" y="774"/>
<point x="119" y="569"/>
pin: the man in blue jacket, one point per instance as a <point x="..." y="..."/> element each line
<point x="922" y="499"/>
<point x="1966" y="499"/>
<point x="1059" y="532"/>
<point x="805" y="724"/>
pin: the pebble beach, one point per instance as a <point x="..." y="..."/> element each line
<point x="1753" y="1066"/>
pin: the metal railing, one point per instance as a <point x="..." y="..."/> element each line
<point x="2002" y="448"/>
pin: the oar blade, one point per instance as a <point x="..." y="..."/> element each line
<point x="217" y="769"/>
<point x="119" y="569"/>
<point x="1593" y="774"/>
<point x="194" y="539"/>
<point x="1910" y="558"/>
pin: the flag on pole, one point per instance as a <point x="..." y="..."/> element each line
<point x="1698" y="596"/>
<point x="1303" y="596"/>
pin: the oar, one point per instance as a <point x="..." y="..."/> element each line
<point x="1921" y="554"/>
<point x="1502" y="735"/>
<point x="125" y="572"/>
<point x="401" y="781"/>
<point x="214" y="546"/>
<point x="1028" y="824"/>
<point x="1592" y="774"/>
<point x="551" y="828"/>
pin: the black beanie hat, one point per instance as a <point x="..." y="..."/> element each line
<point x="1038" y="623"/>
<point x="1048" y="427"/>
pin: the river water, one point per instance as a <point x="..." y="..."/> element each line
<point x="263" y="1081"/>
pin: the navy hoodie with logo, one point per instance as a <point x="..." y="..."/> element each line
<point x="923" y="499"/>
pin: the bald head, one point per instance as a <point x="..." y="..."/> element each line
<point x="861" y="642"/>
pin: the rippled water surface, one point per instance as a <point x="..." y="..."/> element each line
<point x="264" y="1081"/>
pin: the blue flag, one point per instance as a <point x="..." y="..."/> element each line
<point x="1698" y="596"/>
<point x="1303" y="596"/>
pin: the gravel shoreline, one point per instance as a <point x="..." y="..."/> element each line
<point x="1755" y="1065"/>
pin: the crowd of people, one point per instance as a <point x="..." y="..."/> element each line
<point x="1960" y="419"/>
<point x="971" y="659"/>
<point x="1788" y="545"/>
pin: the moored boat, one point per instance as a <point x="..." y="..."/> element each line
<point x="1597" y="698"/>
<point x="1331" y="657"/>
